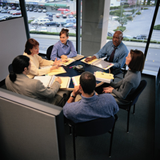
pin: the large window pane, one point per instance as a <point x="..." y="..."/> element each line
<point x="47" y="18"/>
<point x="134" y="18"/>
<point x="9" y="10"/>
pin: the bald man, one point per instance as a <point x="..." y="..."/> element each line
<point x="118" y="57"/>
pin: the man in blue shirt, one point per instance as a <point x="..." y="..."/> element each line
<point x="91" y="106"/>
<point x="119" y="48"/>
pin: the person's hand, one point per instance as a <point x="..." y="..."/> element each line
<point x="57" y="62"/>
<point x="88" y="59"/>
<point x="108" y="89"/>
<point x="64" y="57"/>
<point x="54" y="67"/>
<point x="64" y="60"/>
<point x="58" y="80"/>
<point x="76" y="91"/>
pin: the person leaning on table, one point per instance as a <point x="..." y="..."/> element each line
<point x="107" y="51"/>
<point x="64" y="48"/>
<point x="32" y="51"/>
<point x="120" y="90"/>
<point x="17" y="81"/>
<point x="91" y="106"/>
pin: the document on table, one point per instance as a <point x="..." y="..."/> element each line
<point x="75" y="80"/>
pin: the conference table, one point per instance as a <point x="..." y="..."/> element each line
<point x="71" y="71"/>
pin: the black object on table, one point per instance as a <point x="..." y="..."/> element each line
<point x="71" y="72"/>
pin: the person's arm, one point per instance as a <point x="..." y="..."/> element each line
<point x="103" y="52"/>
<point x="123" y="93"/>
<point x="73" y="94"/>
<point x="54" y="52"/>
<point x="48" y="93"/>
<point x="73" y="52"/>
<point x="116" y="84"/>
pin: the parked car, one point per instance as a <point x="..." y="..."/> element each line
<point x="9" y="8"/>
<point x="70" y="20"/>
<point x="140" y="37"/>
<point x="43" y="21"/>
<point x="63" y="9"/>
<point x="5" y="7"/>
<point x="52" y="24"/>
<point x="69" y="25"/>
<point x="127" y="37"/>
<point x="110" y="33"/>
<point x="70" y="16"/>
<point x="39" y="10"/>
<point x="17" y="13"/>
<point x="18" y="8"/>
<point x="27" y="8"/>
<point x="32" y="29"/>
<point x="49" y="14"/>
<point x="30" y="9"/>
<point x="58" y="15"/>
<point x="13" y="7"/>
<point x="64" y="16"/>
<point x="4" y="11"/>
<point x="43" y="29"/>
<point x="2" y="18"/>
<point x="44" y="10"/>
<point x="35" y="9"/>
<point x="63" y="23"/>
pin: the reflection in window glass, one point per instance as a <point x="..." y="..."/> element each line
<point x="153" y="56"/>
<point x="134" y="19"/>
<point x="47" y="18"/>
<point x="9" y="10"/>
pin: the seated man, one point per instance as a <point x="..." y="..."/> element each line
<point x="115" y="51"/>
<point x="91" y="106"/>
<point x="17" y="81"/>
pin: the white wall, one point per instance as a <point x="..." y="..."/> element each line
<point x="12" y="43"/>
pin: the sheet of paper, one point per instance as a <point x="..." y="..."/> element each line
<point x="44" y="79"/>
<point x="70" y="60"/>
<point x="83" y="60"/>
<point x="65" y="82"/>
<point x="60" y="70"/>
<point x="75" y="80"/>
<point x="103" y="75"/>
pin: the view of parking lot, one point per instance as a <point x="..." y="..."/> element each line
<point x="134" y="20"/>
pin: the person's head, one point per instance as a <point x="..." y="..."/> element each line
<point x="31" y="47"/>
<point x="20" y="64"/>
<point x="117" y="38"/>
<point x="135" y="60"/>
<point x="64" y="35"/>
<point x="88" y="82"/>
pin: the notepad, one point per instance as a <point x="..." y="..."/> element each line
<point x="76" y="80"/>
<point x="59" y="70"/>
<point x="78" y="57"/>
<point x="49" y="80"/>
<point x="70" y="60"/>
<point x="99" y="63"/>
<point x="104" y="77"/>
<point x="46" y="80"/>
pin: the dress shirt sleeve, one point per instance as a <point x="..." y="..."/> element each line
<point x="123" y="93"/>
<point x="102" y="52"/>
<point x="45" y="92"/>
<point x="35" y="71"/>
<point x="73" y="52"/>
<point x="54" y="52"/>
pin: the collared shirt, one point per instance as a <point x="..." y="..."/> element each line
<point x="97" y="106"/>
<point x="60" y="49"/>
<point x="120" y="53"/>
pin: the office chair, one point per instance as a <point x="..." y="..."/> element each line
<point x="92" y="128"/>
<point x="132" y="99"/>
<point x="121" y="71"/>
<point x="10" y="68"/>
<point x="48" y="52"/>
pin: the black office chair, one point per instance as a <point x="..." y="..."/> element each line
<point x="10" y="68"/>
<point x="132" y="99"/>
<point x="48" y="52"/>
<point x="92" y="128"/>
<point x="120" y="71"/>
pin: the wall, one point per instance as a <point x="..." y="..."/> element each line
<point x="12" y="43"/>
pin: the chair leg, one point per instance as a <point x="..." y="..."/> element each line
<point x="128" y="120"/>
<point x="74" y="143"/>
<point x="134" y="108"/>
<point x="112" y="132"/>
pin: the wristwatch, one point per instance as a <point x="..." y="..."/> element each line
<point x="72" y="95"/>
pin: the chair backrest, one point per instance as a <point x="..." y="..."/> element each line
<point x="94" y="127"/>
<point x="10" y="68"/>
<point x="137" y="92"/>
<point x="48" y="52"/>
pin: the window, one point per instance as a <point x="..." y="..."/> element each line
<point x="54" y="15"/>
